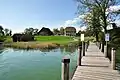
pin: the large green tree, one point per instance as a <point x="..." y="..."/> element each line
<point x="92" y="19"/>
<point x="103" y="7"/>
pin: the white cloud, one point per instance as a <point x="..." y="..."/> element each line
<point x="75" y="22"/>
<point x="117" y="23"/>
<point x="114" y="8"/>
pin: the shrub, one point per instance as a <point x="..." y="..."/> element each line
<point x="2" y="39"/>
<point x="27" y="37"/>
<point x="16" y="37"/>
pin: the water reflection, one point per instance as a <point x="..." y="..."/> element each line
<point x="1" y="49"/>
<point x="68" y="49"/>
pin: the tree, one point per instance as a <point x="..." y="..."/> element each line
<point x="36" y="31"/>
<point x="103" y="6"/>
<point x="10" y="33"/>
<point x="29" y="31"/>
<point x="1" y="31"/>
<point x="93" y="22"/>
<point x="62" y="31"/>
<point x="56" y="31"/>
<point x="6" y="31"/>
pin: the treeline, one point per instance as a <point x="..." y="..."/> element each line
<point x="5" y="31"/>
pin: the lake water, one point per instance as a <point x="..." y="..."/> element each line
<point x="18" y="64"/>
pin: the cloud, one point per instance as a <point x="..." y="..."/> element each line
<point x="114" y="8"/>
<point x="75" y="22"/>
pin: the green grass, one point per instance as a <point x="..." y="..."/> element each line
<point x="54" y="39"/>
<point x="41" y="42"/>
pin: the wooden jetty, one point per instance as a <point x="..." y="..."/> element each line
<point x="94" y="66"/>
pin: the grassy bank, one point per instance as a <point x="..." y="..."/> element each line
<point x="40" y="42"/>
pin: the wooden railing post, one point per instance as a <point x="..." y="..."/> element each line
<point x="86" y="45"/>
<point x="79" y="56"/>
<point x="113" y="65"/>
<point x="105" y="51"/>
<point x="83" y="48"/>
<point x="65" y="68"/>
<point x="99" y="45"/>
<point x="102" y="47"/>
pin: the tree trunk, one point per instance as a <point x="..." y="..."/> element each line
<point x="97" y="38"/>
<point x="105" y="30"/>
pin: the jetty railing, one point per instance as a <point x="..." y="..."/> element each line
<point x="65" y="75"/>
<point x="109" y="53"/>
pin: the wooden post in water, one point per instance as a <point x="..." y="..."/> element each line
<point x="83" y="48"/>
<point x="113" y="65"/>
<point x="79" y="56"/>
<point x="65" y="68"/>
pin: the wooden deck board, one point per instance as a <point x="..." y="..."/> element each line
<point x="95" y="67"/>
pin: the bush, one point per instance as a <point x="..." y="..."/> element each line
<point x="16" y="37"/>
<point x="2" y="39"/>
<point x="27" y="37"/>
<point x="22" y="37"/>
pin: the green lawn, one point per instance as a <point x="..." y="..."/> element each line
<point x="41" y="42"/>
<point x="54" y="39"/>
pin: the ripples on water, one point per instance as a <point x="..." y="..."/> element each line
<point x="16" y="64"/>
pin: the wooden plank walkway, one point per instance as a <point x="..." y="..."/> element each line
<point x="95" y="66"/>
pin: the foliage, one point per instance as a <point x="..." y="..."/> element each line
<point x="102" y="7"/>
<point x="22" y="37"/>
<point x="31" y="31"/>
<point x="56" y="31"/>
<point x="118" y="55"/>
<point x="10" y="33"/>
<point x="61" y="31"/>
<point x="8" y="39"/>
<point x="27" y="37"/>
<point x="35" y="31"/>
<point x="7" y="32"/>
<point x="114" y="37"/>
<point x="16" y="37"/>
<point x="1" y="31"/>
<point x="2" y="38"/>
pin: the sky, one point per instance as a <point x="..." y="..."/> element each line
<point x="20" y="14"/>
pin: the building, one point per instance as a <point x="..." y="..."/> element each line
<point x="45" y="32"/>
<point x="70" y="31"/>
